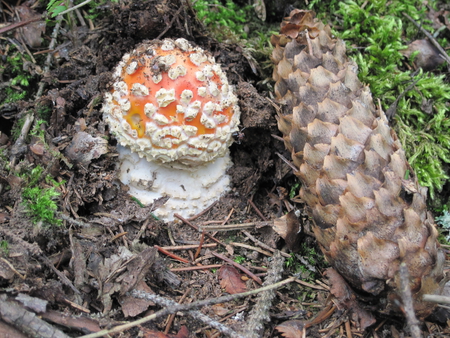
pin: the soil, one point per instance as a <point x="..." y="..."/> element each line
<point x="84" y="269"/>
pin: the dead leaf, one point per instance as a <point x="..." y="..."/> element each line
<point x="347" y="298"/>
<point x="230" y="280"/>
<point x="5" y="270"/>
<point x="31" y="33"/>
<point x="37" y="148"/>
<point x="131" y="306"/>
<point x="290" y="229"/>
<point x="219" y="310"/>
<point x="429" y="56"/>
<point x="183" y="333"/>
<point x="292" y="328"/>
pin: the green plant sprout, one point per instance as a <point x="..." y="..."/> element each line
<point x="4" y="246"/>
<point x="239" y="259"/>
<point x="40" y="202"/>
<point x="380" y="31"/>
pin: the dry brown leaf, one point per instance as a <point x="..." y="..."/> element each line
<point x="31" y="33"/>
<point x="428" y="58"/>
<point x="230" y="280"/>
<point x="132" y="306"/>
<point x="292" y="328"/>
<point x="345" y="295"/>
<point x="183" y="333"/>
<point x="219" y="310"/>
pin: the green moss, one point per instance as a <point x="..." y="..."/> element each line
<point x="12" y="69"/>
<point x="223" y="19"/>
<point x="379" y="31"/>
<point x="41" y="201"/>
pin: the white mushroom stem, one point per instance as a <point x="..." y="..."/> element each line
<point x="190" y="191"/>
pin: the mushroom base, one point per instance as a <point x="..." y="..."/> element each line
<point x="189" y="191"/>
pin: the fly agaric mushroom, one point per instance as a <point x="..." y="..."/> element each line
<point x="173" y="113"/>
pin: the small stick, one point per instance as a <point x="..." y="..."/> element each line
<point x="257" y="210"/>
<point x="193" y="268"/>
<point x="276" y="137"/>
<point x="19" y="24"/>
<point x="171" y="255"/>
<point x="239" y="266"/>
<point x="228" y="217"/>
<point x="312" y="286"/>
<point x="260" y="312"/>
<point x="432" y="39"/>
<point x="202" y="240"/>
<point x="202" y="212"/>
<point x="285" y="160"/>
<point x="51" y="46"/>
<point x="242" y="245"/>
<point x="263" y="245"/>
<point x="408" y="307"/>
<point x="348" y="329"/>
<point x="13" y="268"/>
<point x="197" y="228"/>
<point x="436" y="299"/>
<point x="231" y="227"/>
<point x="172" y="316"/>
<point x="188" y="246"/>
<point x="173" y="307"/>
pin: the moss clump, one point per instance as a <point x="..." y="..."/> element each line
<point x="223" y="19"/>
<point x="41" y="201"/>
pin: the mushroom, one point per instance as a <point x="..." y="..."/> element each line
<point x="173" y="114"/>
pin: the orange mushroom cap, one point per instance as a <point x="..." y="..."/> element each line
<point x="171" y="103"/>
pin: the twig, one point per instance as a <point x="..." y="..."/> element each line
<point x="197" y="228"/>
<point x="13" y="268"/>
<point x="239" y="266"/>
<point x="170" y="23"/>
<point x="260" y="312"/>
<point x="61" y="276"/>
<point x="171" y="255"/>
<point x="285" y="160"/>
<point x="49" y="56"/>
<point x="75" y="7"/>
<point x="199" y="249"/>
<point x="74" y="221"/>
<point x="173" y="307"/>
<point x="276" y="137"/>
<point x="188" y="246"/>
<point x="393" y="107"/>
<point x="405" y="294"/>
<point x="202" y="212"/>
<point x="257" y="210"/>
<point x="192" y="268"/>
<point x="263" y="245"/>
<point x="249" y="247"/>
<point x="232" y="227"/>
<point x="19" y="24"/>
<point x="20" y="142"/>
<point x="432" y="39"/>
<point x="172" y="316"/>
<point x="436" y="299"/>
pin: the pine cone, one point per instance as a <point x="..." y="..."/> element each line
<point x="369" y="211"/>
